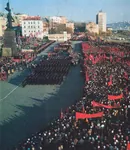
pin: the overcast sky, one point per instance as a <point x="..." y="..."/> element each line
<point x="77" y="10"/>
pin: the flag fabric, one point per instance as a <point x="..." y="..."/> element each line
<point x="87" y="77"/>
<point x="83" y="109"/>
<point x="115" y="97"/>
<point x="61" y="114"/>
<point x="85" y="116"/>
<point x="95" y="104"/>
<point x="110" y="82"/>
<point x="128" y="146"/>
<point x="126" y="75"/>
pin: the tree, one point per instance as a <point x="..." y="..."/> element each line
<point x="69" y="30"/>
<point x="60" y="28"/>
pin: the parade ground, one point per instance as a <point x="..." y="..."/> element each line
<point x="24" y="111"/>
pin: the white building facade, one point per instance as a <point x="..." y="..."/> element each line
<point x="32" y="27"/>
<point x="55" y="19"/>
<point x="101" y="21"/>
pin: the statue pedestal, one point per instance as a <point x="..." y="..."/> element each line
<point x="10" y="48"/>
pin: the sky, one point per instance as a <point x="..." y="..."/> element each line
<point x="76" y="10"/>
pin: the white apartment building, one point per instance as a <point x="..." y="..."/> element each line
<point x="32" y="26"/>
<point x="55" y="19"/>
<point x="101" y="21"/>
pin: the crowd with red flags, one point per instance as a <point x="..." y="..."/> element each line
<point x="99" y="120"/>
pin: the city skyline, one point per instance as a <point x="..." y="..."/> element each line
<point x="76" y="10"/>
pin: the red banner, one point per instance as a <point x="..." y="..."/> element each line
<point x="95" y="104"/>
<point x="115" y="97"/>
<point x="84" y="116"/>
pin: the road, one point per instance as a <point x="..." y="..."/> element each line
<point x="23" y="111"/>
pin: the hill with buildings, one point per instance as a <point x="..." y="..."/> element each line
<point x="120" y="25"/>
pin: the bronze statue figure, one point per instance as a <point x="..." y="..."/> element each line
<point x="9" y="17"/>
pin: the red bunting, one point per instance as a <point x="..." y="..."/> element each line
<point x="115" y="97"/>
<point x="95" y="104"/>
<point x="84" y="116"/>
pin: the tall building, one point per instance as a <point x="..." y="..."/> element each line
<point x="32" y="26"/>
<point x="101" y="21"/>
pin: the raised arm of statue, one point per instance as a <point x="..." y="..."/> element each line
<point x="9" y="17"/>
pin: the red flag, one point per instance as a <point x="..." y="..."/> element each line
<point x="126" y="75"/>
<point x="87" y="77"/>
<point x="110" y="82"/>
<point x="61" y="114"/>
<point x="84" y="116"/>
<point x="115" y="97"/>
<point x="95" y="104"/>
<point x="83" y="109"/>
<point x="128" y="146"/>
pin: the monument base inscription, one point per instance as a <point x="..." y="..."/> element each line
<point x="9" y="43"/>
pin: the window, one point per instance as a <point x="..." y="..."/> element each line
<point x="24" y="30"/>
<point x="24" y="26"/>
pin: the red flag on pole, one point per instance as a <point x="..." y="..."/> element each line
<point x="128" y="146"/>
<point x="110" y="82"/>
<point x="61" y="114"/>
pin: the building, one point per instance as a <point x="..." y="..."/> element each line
<point x="101" y="21"/>
<point x="92" y="27"/>
<point x="63" y="20"/>
<point x="59" y="37"/>
<point x="18" y="18"/>
<point x="109" y="29"/>
<point x="70" y="25"/>
<point x="56" y="20"/>
<point x="2" y="25"/>
<point x="32" y="26"/>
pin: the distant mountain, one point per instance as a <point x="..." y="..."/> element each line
<point x="120" y="25"/>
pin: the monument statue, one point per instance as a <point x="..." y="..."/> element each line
<point x="9" y="17"/>
<point x="10" y="45"/>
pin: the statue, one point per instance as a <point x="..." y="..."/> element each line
<point x="9" y="17"/>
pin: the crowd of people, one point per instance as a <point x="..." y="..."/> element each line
<point x="105" y="78"/>
<point x="8" y="65"/>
